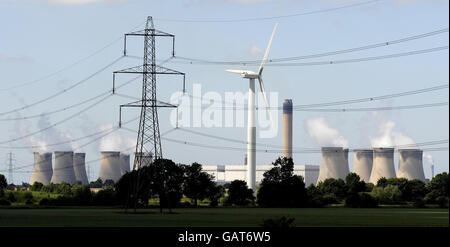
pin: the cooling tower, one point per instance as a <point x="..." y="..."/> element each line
<point x="287" y="128"/>
<point x="383" y="164"/>
<point x="125" y="162"/>
<point x="333" y="164"/>
<point x="110" y="166"/>
<point x="146" y="159"/>
<point x="42" y="171"/>
<point x="362" y="163"/>
<point x="63" y="170"/>
<point x="410" y="164"/>
<point x="80" y="168"/>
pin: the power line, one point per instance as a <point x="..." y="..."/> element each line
<point x="322" y="54"/>
<point x="68" y="66"/>
<point x="57" y="123"/>
<point x="349" y="101"/>
<point x="62" y="91"/>
<point x="68" y="107"/>
<point x="330" y="62"/>
<point x="272" y="17"/>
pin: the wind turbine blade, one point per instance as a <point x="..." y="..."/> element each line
<point x="263" y="91"/>
<point x="261" y="67"/>
<point x="235" y="71"/>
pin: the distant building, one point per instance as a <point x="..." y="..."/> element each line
<point x="227" y="173"/>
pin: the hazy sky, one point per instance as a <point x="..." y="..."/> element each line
<point x="39" y="37"/>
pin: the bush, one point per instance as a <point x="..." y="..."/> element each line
<point x="11" y="197"/>
<point x="388" y="195"/>
<point x="282" y="222"/>
<point x="361" y="200"/>
<point x="106" y="197"/>
<point x="419" y="203"/>
<point x="239" y="193"/>
<point x="36" y="186"/>
<point x="44" y="202"/>
<point x="4" y="202"/>
<point x="329" y="199"/>
<point x="442" y="201"/>
<point x="29" y="202"/>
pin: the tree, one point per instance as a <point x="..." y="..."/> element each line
<point x="390" y="194"/>
<point x="96" y="184"/>
<point x="280" y="187"/>
<point x="438" y="190"/>
<point x="214" y="194"/>
<point x="3" y="185"/>
<point x="353" y="183"/>
<point x="108" y="183"/>
<point x="382" y="182"/>
<point x="37" y="186"/>
<point x="166" y="182"/>
<point x="127" y="187"/>
<point x="315" y="196"/>
<point x="333" y="186"/>
<point x="82" y="194"/>
<point x="197" y="183"/>
<point x="239" y="193"/>
<point x="64" y="188"/>
<point x="360" y="200"/>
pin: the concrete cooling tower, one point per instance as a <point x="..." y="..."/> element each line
<point x="383" y="164"/>
<point x="362" y="163"/>
<point x="63" y="170"/>
<point x="80" y="168"/>
<point x="42" y="171"/>
<point x="410" y="164"/>
<point x="287" y="128"/>
<point x="125" y="162"/>
<point x="145" y="159"/>
<point x="110" y="166"/>
<point x="333" y="164"/>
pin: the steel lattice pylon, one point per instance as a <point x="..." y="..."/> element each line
<point x="148" y="139"/>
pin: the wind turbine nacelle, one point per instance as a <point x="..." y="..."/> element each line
<point x="245" y="73"/>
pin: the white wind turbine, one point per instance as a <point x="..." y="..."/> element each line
<point x="251" y="128"/>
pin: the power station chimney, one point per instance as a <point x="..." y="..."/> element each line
<point x="333" y="164"/>
<point x="125" y="161"/>
<point x="410" y="164"/>
<point x="63" y="171"/>
<point x="432" y="171"/>
<point x="287" y="128"/>
<point x="80" y="168"/>
<point x="110" y="166"/>
<point x="42" y="171"/>
<point x="362" y="163"/>
<point x="383" y="164"/>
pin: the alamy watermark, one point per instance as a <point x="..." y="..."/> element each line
<point x="211" y="110"/>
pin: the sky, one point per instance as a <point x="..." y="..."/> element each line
<point x="50" y="45"/>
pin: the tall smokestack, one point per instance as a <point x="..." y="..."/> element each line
<point x="63" y="171"/>
<point x="432" y="171"/>
<point x="333" y="164"/>
<point x="410" y="164"/>
<point x="287" y="128"/>
<point x="80" y="168"/>
<point x="110" y="166"/>
<point x="346" y="160"/>
<point x="362" y="163"/>
<point x="125" y="162"/>
<point x="42" y="171"/>
<point x="383" y="164"/>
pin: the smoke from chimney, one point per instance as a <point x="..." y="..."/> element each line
<point x="388" y="137"/>
<point x="324" y="135"/>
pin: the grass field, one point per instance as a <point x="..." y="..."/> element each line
<point x="110" y="217"/>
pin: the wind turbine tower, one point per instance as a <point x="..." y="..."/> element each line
<point x="251" y="128"/>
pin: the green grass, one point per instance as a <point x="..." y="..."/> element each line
<point x="105" y="217"/>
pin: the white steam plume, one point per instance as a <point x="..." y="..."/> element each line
<point x="388" y="137"/>
<point x="115" y="141"/>
<point x="323" y="134"/>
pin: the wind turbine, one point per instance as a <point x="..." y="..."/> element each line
<point x="251" y="128"/>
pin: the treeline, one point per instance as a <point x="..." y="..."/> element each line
<point x="167" y="183"/>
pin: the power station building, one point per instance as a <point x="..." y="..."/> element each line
<point x="362" y="163"/>
<point x="63" y="170"/>
<point x="227" y="173"/>
<point x="383" y="164"/>
<point x="80" y="168"/>
<point x="334" y="164"/>
<point x="42" y="170"/>
<point x="110" y="166"/>
<point x="410" y="164"/>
